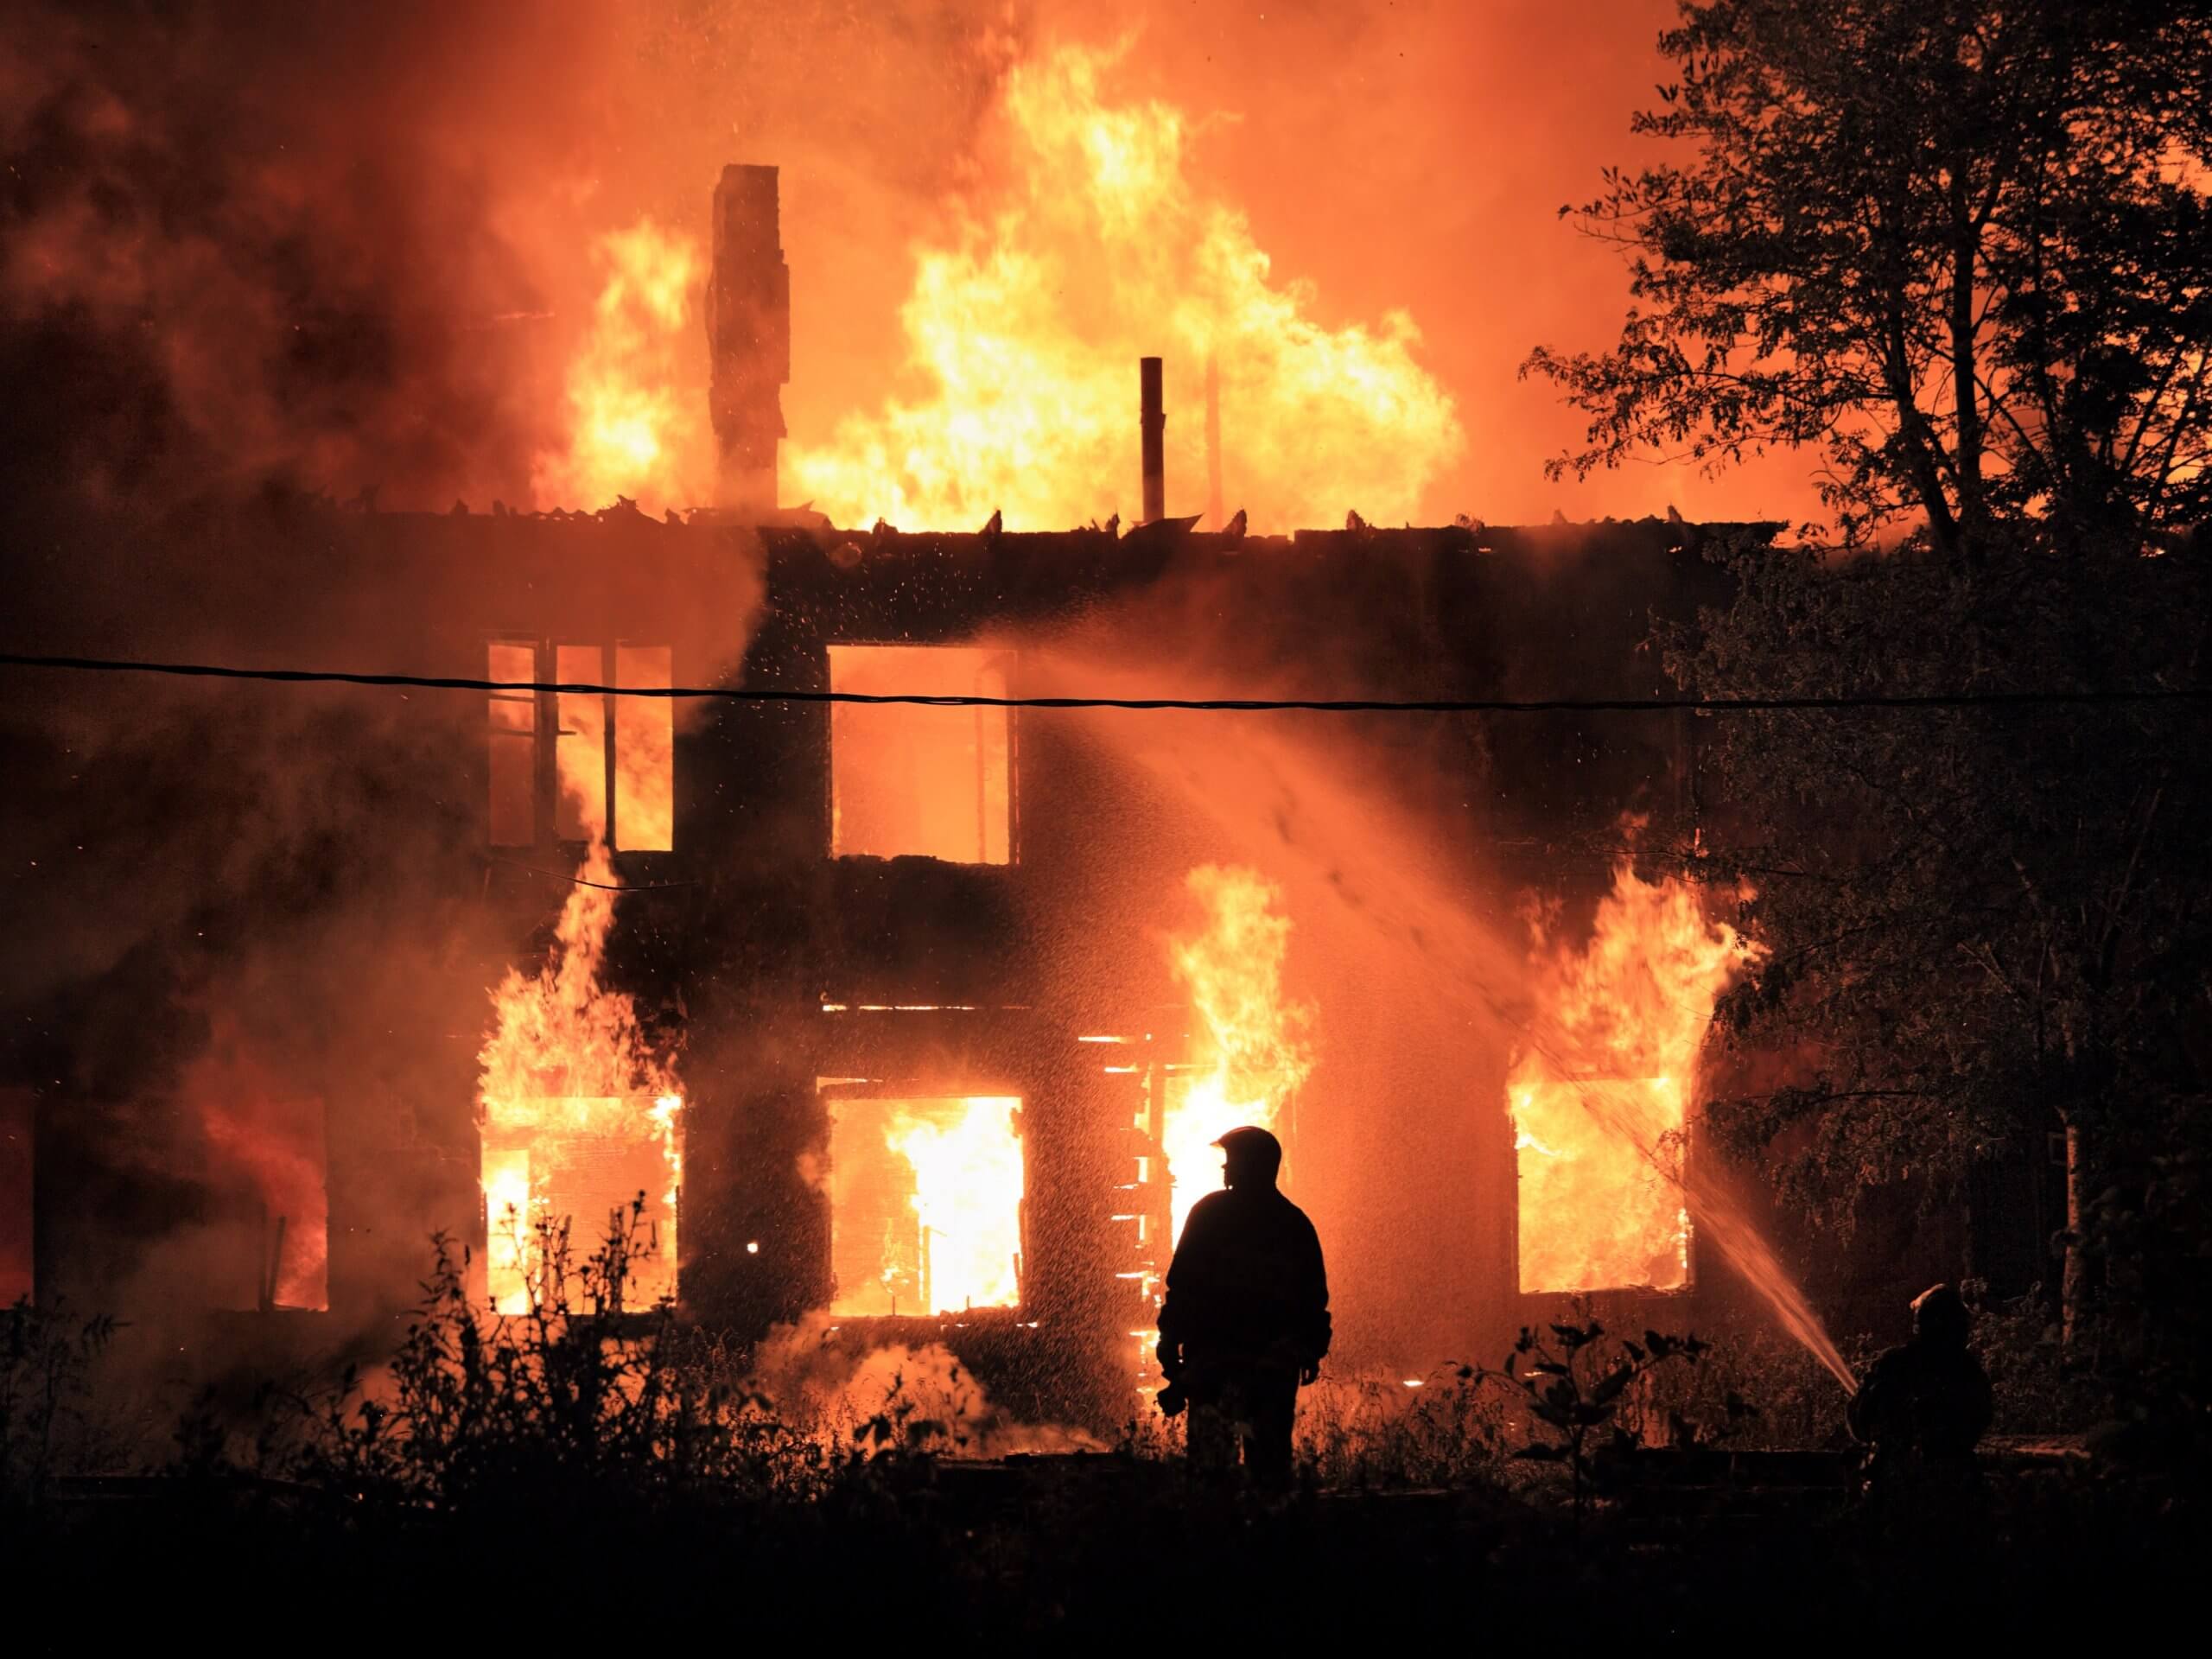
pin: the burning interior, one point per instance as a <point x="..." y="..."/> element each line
<point x="925" y="1203"/>
<point x="589" y="1169"/>
<point x="913" y="782"/>
<point x="1602" y="1161"/>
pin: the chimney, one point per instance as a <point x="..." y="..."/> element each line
<point x="749" y="339"/>
<point x="1154" y="411"/>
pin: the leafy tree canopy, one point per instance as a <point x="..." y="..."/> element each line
<point x="1961" y="250"/>
<point x="1985" y="923"/>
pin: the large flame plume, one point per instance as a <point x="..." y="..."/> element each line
<point x="1252" y="1041"/>
<point x="635" y="427"/>
<point x="1601" y="1099"/>
<point x="1023" y="333"/>
<point x="579" y="1115"/>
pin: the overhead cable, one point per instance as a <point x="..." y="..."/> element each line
<point x="1202" y="705"/>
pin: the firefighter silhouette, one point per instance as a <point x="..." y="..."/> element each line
<point x="1924" y="1406"/>
<point x="1246" y="1318"/>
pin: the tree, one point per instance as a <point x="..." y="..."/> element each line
<point x="1985" y="924"/>
<point x="1960" y="248"/>
<point x="1960" y="252"/>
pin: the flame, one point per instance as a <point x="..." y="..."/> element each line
<point x="1600" y="1103"/>
<point x="580" y="746"/>
<point x="509" y="1215"/>
<point x="1254" y="1035"/>
<point x="967" y="1199"/>
<point x="926" y="1201"/>
<point x="636" y="426"/>
<point x="1097" y="249"/>
<point x="579" y="1115"/>
<point x="643" y="767"/>
<point x="645" y="752"/>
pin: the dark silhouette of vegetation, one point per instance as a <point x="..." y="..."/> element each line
<point x="1576" y="1386"/>
<point x="47" y="1356"/>
<point x="1445" y="1429"/>
<point x="577" y="1406"/>
<point x="582" y="1468"/>
<point x="1986" y="930"/>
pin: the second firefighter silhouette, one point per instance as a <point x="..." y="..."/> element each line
<point x="1246" y="1318"/>
<point x="1925" y="1406"/>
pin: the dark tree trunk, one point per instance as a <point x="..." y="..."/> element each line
<point x="2074" y="1279"/>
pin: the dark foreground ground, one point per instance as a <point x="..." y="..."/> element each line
<point x="1120" y="1551"/>
<point x="499" y="1482"/>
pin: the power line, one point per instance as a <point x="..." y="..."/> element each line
<point x="1228" y="705"/>
<point x="585" y="882"/>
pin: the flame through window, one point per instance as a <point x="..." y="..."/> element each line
<point x="925" y="1204"/>
<point x="609" y="771"/>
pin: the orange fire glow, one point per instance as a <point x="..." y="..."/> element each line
<point x="579" y="1115"/>
<point x="930" y="783"/>
<point x="645" y="752"/>
<point x="580" y="746"/>
<point x="643" y="770"/>
<point x="1022" y="336"/>
<point x="1252" y="1046"/>
<point x="636" y="425"/>
<point x="1601" y="1100"/>
<point x="266" y="1140"/>
<point x="925" y="1205"/>
<point x="967" y="1199"/>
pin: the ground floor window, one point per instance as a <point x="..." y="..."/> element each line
<point x="586" y="1165"/>
<point x="1599" y="1162"/>
<point x="925" y="1203"/>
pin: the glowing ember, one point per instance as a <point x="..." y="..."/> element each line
<point x="634" y="427"/>
<point x="925" y="1200"/>
<point x="1252" y="1041"/>
<point x="579" y="1117"/>
<point x="1096" y="248"/>
<point x="1600" y="1102"/>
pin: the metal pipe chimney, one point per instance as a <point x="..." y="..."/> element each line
<point x="1155" y="426"/>
<point x="1214" y="519"/>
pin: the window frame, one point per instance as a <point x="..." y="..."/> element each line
<point x="546" y="810"/>
<point x="829" y="1091"/>
<point x="1006" y="655"/>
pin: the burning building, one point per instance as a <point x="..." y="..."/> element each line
<point x="921" y="1017"/>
